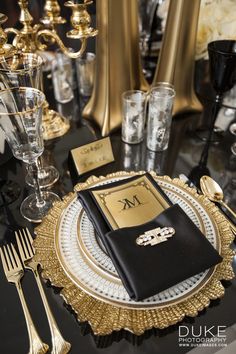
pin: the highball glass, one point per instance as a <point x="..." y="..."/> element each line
<point x="62" y="77"/>
<point x="134" y="111"/>
<point x="85" y="67"/>
<point x="161" y="101"/>
<point x="21" y="120"/>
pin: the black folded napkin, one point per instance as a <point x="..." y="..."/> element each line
<point x="141" y="204"/>
<point x="148" y="270"/>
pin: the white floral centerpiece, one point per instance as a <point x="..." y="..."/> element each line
<point x="217" y="20"/>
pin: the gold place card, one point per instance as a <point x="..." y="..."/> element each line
<point x="92" y="155"/>
<point x="130" y="204"/>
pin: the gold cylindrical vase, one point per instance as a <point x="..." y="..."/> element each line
<point x="118" y="62"/>
<point x="177" y="56"/>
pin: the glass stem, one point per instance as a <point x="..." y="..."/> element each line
<point x="216" y="109"/>
<point x="34" y="170"/>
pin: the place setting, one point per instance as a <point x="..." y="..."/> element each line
<point x="81" y="265"/>
<point x="119" y="206"/>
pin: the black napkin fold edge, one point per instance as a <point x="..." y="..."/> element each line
<point x="112" y="254"/>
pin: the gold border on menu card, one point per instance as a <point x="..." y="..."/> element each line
<point x="156" y="203"/>
<point x="102" y="270"/>
<point x="105" y="318"/>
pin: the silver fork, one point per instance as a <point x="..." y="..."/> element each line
<point x="26" y="249"/>
<point x="14" y="271"/>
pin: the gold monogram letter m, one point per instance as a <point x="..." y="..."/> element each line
<point x="127" y="204"/>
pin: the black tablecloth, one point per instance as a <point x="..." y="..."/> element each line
<point x="183" y="154"/>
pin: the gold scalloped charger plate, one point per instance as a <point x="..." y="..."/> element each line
<point x="106" y="316"/>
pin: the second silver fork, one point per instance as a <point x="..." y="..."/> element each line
<point x="25" y="246"/>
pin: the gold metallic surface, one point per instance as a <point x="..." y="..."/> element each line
<point x="93" y="155"/>
<point x="210" y="193"/>
<point x="118" y="63"/>
<point x="5" y="49"/>
<point x="212" y="190"/>
<point x="14" y="272"/>
<point x="51" y="14"/>
<point x="25" y="246"/>
<point x="116" y="203"/>
<point x="80" y="21"/>
<point x="52" y="35"/>
<point x="54" y="125"/>
<point x="176" y="60"/>
<point x="25" y="38"/>
<point x="28" y="40"/>
<point x="105" y="318"/>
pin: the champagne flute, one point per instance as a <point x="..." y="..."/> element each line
<point x="25" y="70"/>
<point x="21" y="120"/>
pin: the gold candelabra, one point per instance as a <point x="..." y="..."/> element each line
<point x="52" y="15"/>
<point x="81" y="22"/>
<point x="32" y="38"/>
<point x="25" y="38"/>
<point x="5" y="49"/>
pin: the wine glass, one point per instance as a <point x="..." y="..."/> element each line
<point x="222" y="64"/>
<point x="21" y="120"/>
<point x="25" y="70"/>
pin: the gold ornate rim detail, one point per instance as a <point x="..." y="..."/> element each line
<point x="105" y="318"/>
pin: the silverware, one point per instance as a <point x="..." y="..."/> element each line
<point x="185" y="179"/>
<point x="26" y="249"/>
<point x="213" y="191"/>
<point x="14" y="271"/>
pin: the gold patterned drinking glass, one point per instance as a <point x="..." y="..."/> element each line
<point x="25" y="70"/>
<point x="21" y="120"/>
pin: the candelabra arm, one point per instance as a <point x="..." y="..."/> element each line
<point x="18" y="41"/>
<point x="17" y="38"/>
<point x="12" y="30"/>
<point x="22" y="40"/>
<point x="52" y="34"/>
<point x="5" y="48"/>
